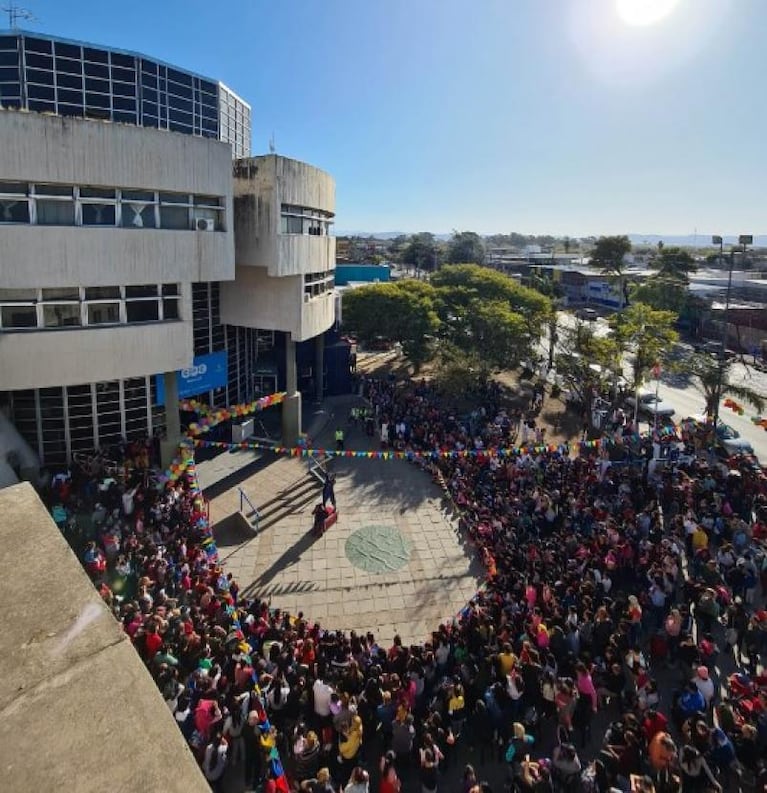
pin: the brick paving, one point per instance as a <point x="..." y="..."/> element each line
<point x="298" y="572"/>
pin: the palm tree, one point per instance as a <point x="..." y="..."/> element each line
<point x="712" y="377"/>
<point x="609" y="254"/>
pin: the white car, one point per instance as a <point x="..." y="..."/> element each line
<point x="650" y="405"/>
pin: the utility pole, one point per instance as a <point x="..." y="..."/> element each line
<point x="15" y="13"/>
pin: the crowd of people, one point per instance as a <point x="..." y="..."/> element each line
<point x="612" y="598"/>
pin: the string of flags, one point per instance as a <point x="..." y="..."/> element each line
<point x="211" y="418"/>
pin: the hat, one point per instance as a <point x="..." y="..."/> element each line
<point x="703" y="673"/>
<point x="518" y="731"/>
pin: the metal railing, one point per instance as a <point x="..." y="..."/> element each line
<point x="254" y="513"/>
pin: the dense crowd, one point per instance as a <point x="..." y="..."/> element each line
<point x="612" y="597"/>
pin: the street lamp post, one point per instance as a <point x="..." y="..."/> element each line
<point x="743" y="240"/>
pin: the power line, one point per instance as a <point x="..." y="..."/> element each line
<point x="15" y="13"/>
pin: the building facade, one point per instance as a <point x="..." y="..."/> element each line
<point x="117" y="245"/>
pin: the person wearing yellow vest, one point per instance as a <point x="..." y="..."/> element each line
<point x="339" y="439"/>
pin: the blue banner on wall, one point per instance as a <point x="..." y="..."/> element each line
<point x="206" y="373"/>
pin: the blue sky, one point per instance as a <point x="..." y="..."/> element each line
<point x="492" y="115"/>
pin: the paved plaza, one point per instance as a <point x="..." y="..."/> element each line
<point x="393" y="563"/>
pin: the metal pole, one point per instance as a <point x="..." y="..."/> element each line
<point x="722" y="352"/>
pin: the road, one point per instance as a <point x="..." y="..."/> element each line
<point x="679" y="390"/>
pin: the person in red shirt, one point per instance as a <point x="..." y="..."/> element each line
<point x="654" y="722"/>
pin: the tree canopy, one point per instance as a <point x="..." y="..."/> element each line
<point x="401" y="311"/>
<point x="420" y="251"/>
<point x="713" y="378"/>
<point x="674" y="264"/>
<point x="649" y="332"/>
<point x="466" y="246"/>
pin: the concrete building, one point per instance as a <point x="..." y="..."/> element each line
<point x="78" y="703"/>
<point x="117" y="241"/>
<point x="285" y="262"/>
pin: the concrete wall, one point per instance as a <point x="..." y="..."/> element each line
<point x="41" y="148"/>
<point x="257" y="300"/>
<point x="261" y="186"/>
<point x="40" y="359"/>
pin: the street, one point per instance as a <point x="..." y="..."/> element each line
<point x="678" y="388"/>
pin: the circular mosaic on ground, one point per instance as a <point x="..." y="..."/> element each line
<point x="378" y="549"/>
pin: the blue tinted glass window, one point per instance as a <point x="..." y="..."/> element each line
<point x="98" y="56"/>
<point x="119" y="59"/>
<point x="69" y="81"/>
<point x="148" y="95"/>
<point x="123" y="89"/>
<point x="69" y="66"/>
<point x="40" y="106"/>
<point x="38" y="45"/>
<point x="124" y="117"/>
<point x="126" y="75"/>
<point x="40" y="92"/>
<point x="9" y="101"/>
<point x="184" y="105"/>
<point x="149" y="121"/>
<point x="39" y="76"/>
<point x="71" y="96"/>
<point x="69" y="110"/>
<point x="9" y="58"/>
<point x="39" y="61"/>
<point x="97" y="70"/>
<point x="180" y="77"/>
<point x="96" y="100"/>
<point x="8" y="42"/>
<point x="92" y="84"/>
<point x="150" y="108"/>
<point x="8" y="74"/>
<point x="68" y="50"/>
<point x="118" y="103"/>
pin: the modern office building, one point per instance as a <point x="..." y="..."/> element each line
<point x="117" y="246"/>
<point x="72" y="78"/>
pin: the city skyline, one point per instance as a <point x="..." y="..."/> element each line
<point x="558" y="117"/>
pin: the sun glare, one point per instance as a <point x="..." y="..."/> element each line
<point x="644" y="12"/>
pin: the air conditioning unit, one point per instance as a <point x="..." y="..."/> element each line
<point x="204" y="224"/>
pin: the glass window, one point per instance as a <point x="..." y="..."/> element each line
<point x="62" y="293"/>
<point x="142" y="310"/>
<point x="15" y="188"/>
<point x="141" y="290"/>
<point x="10" y="58"/>
<point x="59" y="315"/>
<point x="70" y="96"/>
<point x="174" y="198"/>
<point x="169" y="290"/>
<point x="139" y="216"/>
<point x="207" y="200"/>
<point x="70" y="110"/>
<point x="45" y="92"/>
<point x="55" y="213"/>
<point x="54" y="190"/>
<point x="101" y="292"/>
<point x="68" y="50"/>
<point x="295" y="225"/>
<point x="38" y="61"/>
<point x="170" y="308"/>
<point x="103" y="313"/>
<point x="97" y="101"/>
<point x="97" y="192"/>
<point x="174" y="217"/>
<point x="72" y="81"/>
<point x="126" y="117"/>
<point x="19" y="316"/>
<point x="138" y="195"/>
<point x="68" y="66"/>
<point x="41" y="107"/>
<point x="98" y="56"/>
<point x="98" y="214"/>
<point x="118" y="59"/>
<point x="14" y="210"/>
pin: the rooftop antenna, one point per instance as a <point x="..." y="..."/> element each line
<point x="272" y="147"/>
<point x="15" y="13"/>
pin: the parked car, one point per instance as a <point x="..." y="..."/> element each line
<point x="715" y="348"/>
<point x="728" y="440"/>
<point x="587" y="313"/>
<point x="650" y="405"/>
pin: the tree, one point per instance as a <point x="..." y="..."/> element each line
<point x="466" y="247"/>
<point x="402" y="311"/>
<point x="468" y="295"/>
<point x="674" y="265"/>
<point x="662" y="293"/>
<point x="609" y="255"/>
<point x="459" y="371"/>
<point x="650" y="332"/>
<point x="712" y="377"/>
<point x="586" y="363"/>
<point x="420" y="252"/>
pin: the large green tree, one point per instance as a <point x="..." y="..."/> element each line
<point x="609" y="255"/>
<point x="471" y="299"/>
<point x="648" y="333"/>
<point x="674" y="264"/>
<point x="402" y="311"/>
<point x="420" y="252"/>
<point x="465" y="246"/>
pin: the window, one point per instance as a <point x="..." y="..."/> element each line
<point x="102" y="292"/>
<point x="98" y="214"/>
<point x="62" y="293"/>
<point x="142" y="290"/>
<point x="14" y="206"/>
<point x="60" y="315"/>
<point x="142" y="311"/>
<point x="170" y="308"/>
<point x="173" y="217"/>
<point x="21" y="316"/>
<point x="316" y="284"/>
<point x="103" y="313"/>
<point x="303" y="220"/>
<point x="24" y="295"/>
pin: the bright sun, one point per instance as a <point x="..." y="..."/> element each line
<point x="644" y="12"/>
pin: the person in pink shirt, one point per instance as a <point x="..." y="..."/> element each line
<point x="585" y="684"/>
